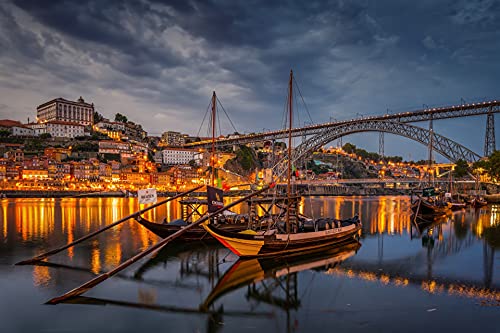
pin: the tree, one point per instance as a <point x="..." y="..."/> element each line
<point x="349" y="148"/>
<point x="461" y="169"/>
<point x="45" y="136"/>
<point x="494" y="165"/>
<point x="120" y="118"/>
<point x="98" y="117"/>
<point x="4" y="133"/>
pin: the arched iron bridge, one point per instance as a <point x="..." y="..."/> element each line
<point x="444" y="146"/>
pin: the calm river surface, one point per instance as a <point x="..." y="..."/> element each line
<point x="404" y="277"/>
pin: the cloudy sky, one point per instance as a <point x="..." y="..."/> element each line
<point x="159" y="61"/>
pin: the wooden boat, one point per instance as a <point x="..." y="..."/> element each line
<point x="492" y="198"/>
<point x="454" y="206"/>
<point x="424" y="206"/>
<point x="194" y="234"/>
<point x="295" y="237"/>
<point x="478" y="201"/>
<point x="271" y="243"/>
<point x="194" y="207"/>
<point x="247" y="271"/>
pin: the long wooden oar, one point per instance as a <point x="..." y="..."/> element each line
<point x="59" y="249"/>
<point x="164" y="308"/>
<point x="152" y="249"/>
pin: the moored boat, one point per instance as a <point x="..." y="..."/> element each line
<point x="424" y="206"/>
<point x="194" y="234"/>
<point x="492" y="198"/>
<point x="295" y="236"/>
<point x="268" y="243"/>
<point x="478" y="202"/>
<point x="190" y="208"/>
<point x="454" y="206"/>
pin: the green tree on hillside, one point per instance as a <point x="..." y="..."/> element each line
<point x="120" y="118"/>
<point x="97" y="117"/>
<point x="461" y="169"/>
<point x="494" y="165"/>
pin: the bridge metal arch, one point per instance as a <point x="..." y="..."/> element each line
<point x="444" y="146"/>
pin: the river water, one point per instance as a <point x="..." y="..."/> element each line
<point x="403" y="276"/>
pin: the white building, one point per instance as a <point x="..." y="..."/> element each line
<point x="60" y="109"/>
<point x="16" y="128"/>
<point x="180" y="156"/>
<point x="58" y="129"/>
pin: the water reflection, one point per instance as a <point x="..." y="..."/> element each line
<point x="452" y="257"/>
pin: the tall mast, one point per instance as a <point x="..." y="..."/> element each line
<point x="212" y="153"/>
<point x="288" y="184"/>
<point x="431" y="137"/>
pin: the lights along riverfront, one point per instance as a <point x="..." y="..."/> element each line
<point x="445" y="273"/>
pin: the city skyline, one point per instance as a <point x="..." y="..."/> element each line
<point x="158" y="62"/>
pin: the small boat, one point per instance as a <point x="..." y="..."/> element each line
<point x="227" y="221"/>
<point x="196" y="233"/>
<point x="454" y="206"/>
<point x="288" y="233"/>
<point x="492" y="198"/>
<point x="429" y="206"/>
<point x="478" y="201"/>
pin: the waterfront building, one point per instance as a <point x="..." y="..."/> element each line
<point x="173" y="156"/>
<point x="173" y="139"/>
<point x="85" y="170"/>
<point x="115" y="170"/>
<point x="15" y="128"/>
<point x="58" y="170"/>
<point x="183" y="174"/>
<point x="105" y="171"/>
<point x="35" y="173"/>
<point x="60" y="109"/>
<point x="134" y="178"/>
<point x="13" y="171"/>
<point x="163" y="178"/>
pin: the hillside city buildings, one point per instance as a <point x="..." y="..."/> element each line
<point x="79" y="152"/>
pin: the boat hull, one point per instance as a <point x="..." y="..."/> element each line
<point x="454" y="206"/>
<point x="248" y="246"/>
<point x="196" y="233"/>
<point x="423" y="207"/>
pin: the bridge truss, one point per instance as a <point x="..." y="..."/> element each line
<point x="444" y="146"/>
<point x="428" y="114"/>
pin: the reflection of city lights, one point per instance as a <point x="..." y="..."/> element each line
<point x="41" y="276"/>
<point x="428" y="286"/>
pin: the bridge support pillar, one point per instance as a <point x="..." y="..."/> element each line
<point x="381" y="144"/>
<point x="489" y="140"/>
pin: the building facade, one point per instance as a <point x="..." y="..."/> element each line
<point x="173" y="139"/>
<point x="173" y="156"/>
<point x="15" y="128"/>
<point x="60" y="109"/>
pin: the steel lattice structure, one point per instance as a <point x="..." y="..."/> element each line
<point x="456" y="111"/>
<point x="444" y="146"/>
<point x="489" y="142"/>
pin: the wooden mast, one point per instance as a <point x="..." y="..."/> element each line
<point x="212" y="154"/>
<point x="289" y="176"/>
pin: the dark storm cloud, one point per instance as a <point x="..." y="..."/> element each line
<point x="160" y="60"/>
